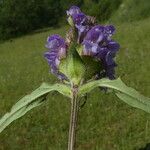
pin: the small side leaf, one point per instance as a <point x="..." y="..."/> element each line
<point x="125" y="93"/>
<point x="30" y="101"/>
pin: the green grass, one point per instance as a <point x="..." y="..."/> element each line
<point x="105" y="123"/>
<point x="131" y="10"/>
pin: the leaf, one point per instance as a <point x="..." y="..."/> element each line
<point x="30" y="101"/>
<point x="125" y="93"/>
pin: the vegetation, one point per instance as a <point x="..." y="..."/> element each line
<point x="132" y="10"/>
<point x="104" y="123"/>
<point x="20" y="17"/>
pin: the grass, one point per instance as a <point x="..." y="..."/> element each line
<point x="105" y="122"/>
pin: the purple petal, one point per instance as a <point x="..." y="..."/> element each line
<point x="113" y="46"/>
<point x="109" y="59"/>
<point x="110" y="29"/>
<point x="79" y="19"/>
<point x="82" y="31"/>
<point x="102" y="52"/>
<point x="55" y="41"/>
<point x="73" y="10"/>
<point x="95" y="34"/>
<point x="90" y="48"/>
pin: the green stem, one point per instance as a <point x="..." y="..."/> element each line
<point x="73" y="120"/>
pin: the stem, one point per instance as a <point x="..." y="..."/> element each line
<point x="73" y="120"/>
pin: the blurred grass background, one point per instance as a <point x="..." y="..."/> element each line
<point x="105" y="123"/>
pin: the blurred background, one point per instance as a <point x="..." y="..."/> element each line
<point x="105" y="123"/>
<point x="20" y="17"/>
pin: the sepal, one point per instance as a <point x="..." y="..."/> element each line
<point x="73" y="66"/>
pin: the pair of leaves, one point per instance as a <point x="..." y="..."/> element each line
<point x="36" y="98"/>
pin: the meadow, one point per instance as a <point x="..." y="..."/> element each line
<point x="105" y="123"/>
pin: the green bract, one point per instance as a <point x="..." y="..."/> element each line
<point x="73" y="66"/>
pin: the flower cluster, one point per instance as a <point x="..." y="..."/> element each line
<point x="95" y="41"/>
<point x="98" y="43"/>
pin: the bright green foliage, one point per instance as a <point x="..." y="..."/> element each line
<point x="28" y="102"/>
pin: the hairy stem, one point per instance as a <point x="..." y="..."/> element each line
<point x="73" y="120"/>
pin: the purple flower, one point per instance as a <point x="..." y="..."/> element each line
<point x="73" y="10"/>
<point x="79" y="19"/>
<point x="98" y="44"/>
<point x="93" y="40"/>
<point x="57" y="50"/>
<point x="81" y="22"/>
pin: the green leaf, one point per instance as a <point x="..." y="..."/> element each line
<point x="125" y="93"/>
<point x="30" y="101"/>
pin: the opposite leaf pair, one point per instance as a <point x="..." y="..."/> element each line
<point x="36" y="98"/>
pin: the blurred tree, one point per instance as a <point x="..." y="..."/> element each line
<point x="101" y="9"/>
<point x="21" y="16"/>
<point x="18" y="17"/>
<point x="131" y="10"/>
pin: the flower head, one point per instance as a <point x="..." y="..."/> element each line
<point x="87" y="47"/>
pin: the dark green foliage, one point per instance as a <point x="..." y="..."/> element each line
<point x="66" y="4"/>
<point x="101" y="9"/>
<point x="21" y="16"/>
<point x="18" y="17"/>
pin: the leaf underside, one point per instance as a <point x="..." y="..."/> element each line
<point x="125" y="93"/>
<point x="31" y="101"/>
